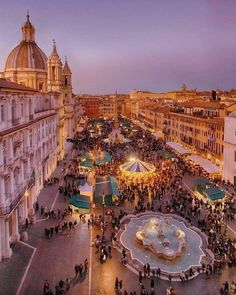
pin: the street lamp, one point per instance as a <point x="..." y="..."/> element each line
<point x="103" y="216"/>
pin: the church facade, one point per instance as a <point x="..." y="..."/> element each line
<point x="37" y="114"/>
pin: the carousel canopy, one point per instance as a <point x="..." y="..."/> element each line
<point x="137" y="166"/>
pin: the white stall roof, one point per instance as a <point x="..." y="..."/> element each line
<point x="207" y="165"/>
<point x="157" y="134"/>
<point x="178" y="148"/>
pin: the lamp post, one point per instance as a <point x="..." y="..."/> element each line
<point x="103" y="216"/>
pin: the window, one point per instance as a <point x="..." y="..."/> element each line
<point x="40" y="87"/>
<point x="2" y="113"/>
<point x="13" y="110"/>
<point x="31" y="138"/>
<point x="22" y="109"/>
<point x="53" y="74"/>
<point x="4" y="149"/>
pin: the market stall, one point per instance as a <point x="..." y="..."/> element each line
<point x="213" y="170"/>
<point x="178" y="148"/>
<point x="80" y="203"/>
<point x="106" y="188"/>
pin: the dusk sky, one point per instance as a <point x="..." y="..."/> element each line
<point x="125" y="44"/>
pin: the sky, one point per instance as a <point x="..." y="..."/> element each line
<point x="154" y="45"/>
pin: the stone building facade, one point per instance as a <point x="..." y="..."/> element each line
<point x="38" y="113"/>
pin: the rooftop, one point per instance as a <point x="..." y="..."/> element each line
<point x="6" y="85"/>
<point x="203" y="104"/>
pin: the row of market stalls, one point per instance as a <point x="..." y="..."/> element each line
<point x="105" y="190"/>
<point x="212" y="169"/>
<point x="154" y="133"/>
<point x="202" y="186"/>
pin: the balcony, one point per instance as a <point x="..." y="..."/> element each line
<point x="5" y="210"/>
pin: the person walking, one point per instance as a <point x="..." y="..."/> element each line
<point x="152" y="283"/>
<point x="45" y="287"/>
<point x="76" y="270"/>
<point x="116" y="283"/>
<point x="120" y="284"/>
<point x="27" y="222"/>
<point x="140" y="278"/>
<point x="86" y="265"/>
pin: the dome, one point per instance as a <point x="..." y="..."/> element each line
<point x="27" y="55"/>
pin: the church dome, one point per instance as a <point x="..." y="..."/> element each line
<point x="27" y="55"/>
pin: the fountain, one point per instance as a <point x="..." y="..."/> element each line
<point x="164" y="241"/>
<point x="162" y="237"/>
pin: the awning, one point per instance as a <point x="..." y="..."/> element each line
<point x="214" y="193"/>
<point x="157" y="134"/>
<point x="178" y="148"/>
<point x="80" y="202"/>
<point x="207" y="165"/>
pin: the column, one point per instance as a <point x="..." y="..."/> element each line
<point x="11" y="187"/>
<point x="1" y="153"/>
<point x="2" y="237"/>
<point x="6" y="250"/>
<point x="2" y="191"/>
<point x="31" y="201"/>
<point x="15" y="233"/>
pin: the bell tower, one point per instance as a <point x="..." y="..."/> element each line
<point x="54" y="66"/>
<point x="67" y="84"/>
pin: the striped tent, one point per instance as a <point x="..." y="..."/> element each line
<point x="137" y="166"/>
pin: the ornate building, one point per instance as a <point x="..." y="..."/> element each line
<point x="28" y="65"/>
<point x="37" y="114"/>
<point x="229" y="167"/>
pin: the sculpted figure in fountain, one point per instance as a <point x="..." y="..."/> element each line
<point x="162" y="237"/>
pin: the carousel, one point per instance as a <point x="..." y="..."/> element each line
<point x="137" y="171"/>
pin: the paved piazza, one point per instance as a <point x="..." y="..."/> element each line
<point x="40" y="258"/>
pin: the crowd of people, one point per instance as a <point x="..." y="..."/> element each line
<point x="63" y="286"/>
<point x="164" y="192"/>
